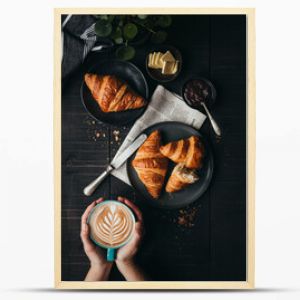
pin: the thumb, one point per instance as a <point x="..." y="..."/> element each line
<point x="139" y="229"/>
<point x="138" y="232"/>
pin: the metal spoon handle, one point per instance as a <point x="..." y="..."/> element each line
<point x="214" y="124"/>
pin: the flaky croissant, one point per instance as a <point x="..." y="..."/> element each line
<point x="112" y="94"/>
<point x="190" y="152"/>
<point x="150" y="165"/>
<point x="180" y="178"/>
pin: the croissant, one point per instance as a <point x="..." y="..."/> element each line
<point x="112" y="94"/>
<point x="150" y="165"/>
<point x="180" y="178"/>
<point x="190" y="152"/>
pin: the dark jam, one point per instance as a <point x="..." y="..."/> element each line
<point x="197" y="91"/>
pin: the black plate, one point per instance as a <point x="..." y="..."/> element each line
<point x="128" y="73"/>
<point x="156" y="73"/>
<point x="172" y="131"/>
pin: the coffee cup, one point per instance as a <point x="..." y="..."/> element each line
<point x="111" y="226"/>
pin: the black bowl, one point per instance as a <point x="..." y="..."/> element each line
<point x="128" y="73"/>
<point x="156" y="73"/>
<point x="209" y="101"/>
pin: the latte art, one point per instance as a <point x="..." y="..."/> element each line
<point x="111" y="224"/>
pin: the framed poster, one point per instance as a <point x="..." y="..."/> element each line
<point x="161" y="103"/>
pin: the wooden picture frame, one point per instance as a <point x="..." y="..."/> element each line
<point x="250" y="153"/>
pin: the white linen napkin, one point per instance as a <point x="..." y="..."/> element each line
<point x="164" y="106"/>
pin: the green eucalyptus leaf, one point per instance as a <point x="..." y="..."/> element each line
<point x="159" y="37"/>
<point x="164" y="21"/>
<point x="125" y="52"/>
<point x="130" y="30"/>
<point x="142" y="17"/>
<point x="103" y="28"/>
<point x="118" y="40"/>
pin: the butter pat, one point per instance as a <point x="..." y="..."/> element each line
<point x="167" y="68"/>
<point x="168" y="57"/>
<point x="164" y="61"/>
<point x="150" y="60"/>
<point x="175" y="67"/>
<point x="157" y="61"/>
<point x="154" y="60"/>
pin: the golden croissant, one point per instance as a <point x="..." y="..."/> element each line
<point x="180" y="178"/>
<point x="190" y="152"/>
<point x="150" y="165"/>
<point x="112" y="94"/>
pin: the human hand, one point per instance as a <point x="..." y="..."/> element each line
<point x="95" y="254"/>
<point x="125" y="254"/>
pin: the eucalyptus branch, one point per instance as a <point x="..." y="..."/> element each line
<point x="142" y="25"/>
<point x="123" y="31"/>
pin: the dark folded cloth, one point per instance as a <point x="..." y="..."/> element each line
<point x="77" y="24"/>
<point x="79" y="39"/>
<point x="74" y="42"/>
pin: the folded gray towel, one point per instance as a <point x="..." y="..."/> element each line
<point x="78" y="38"/>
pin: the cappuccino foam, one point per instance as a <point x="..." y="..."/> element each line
<point x="111" y="224"/>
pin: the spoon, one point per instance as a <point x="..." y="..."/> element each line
<point x="213" y="122"/>
<point x="196" y="92"/>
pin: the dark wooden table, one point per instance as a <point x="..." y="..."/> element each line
<point x="207" y="240"/>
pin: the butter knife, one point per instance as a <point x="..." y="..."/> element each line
<point x="116" y="163"/>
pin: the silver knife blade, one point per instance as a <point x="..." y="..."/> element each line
<point x="118" y="161"/>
